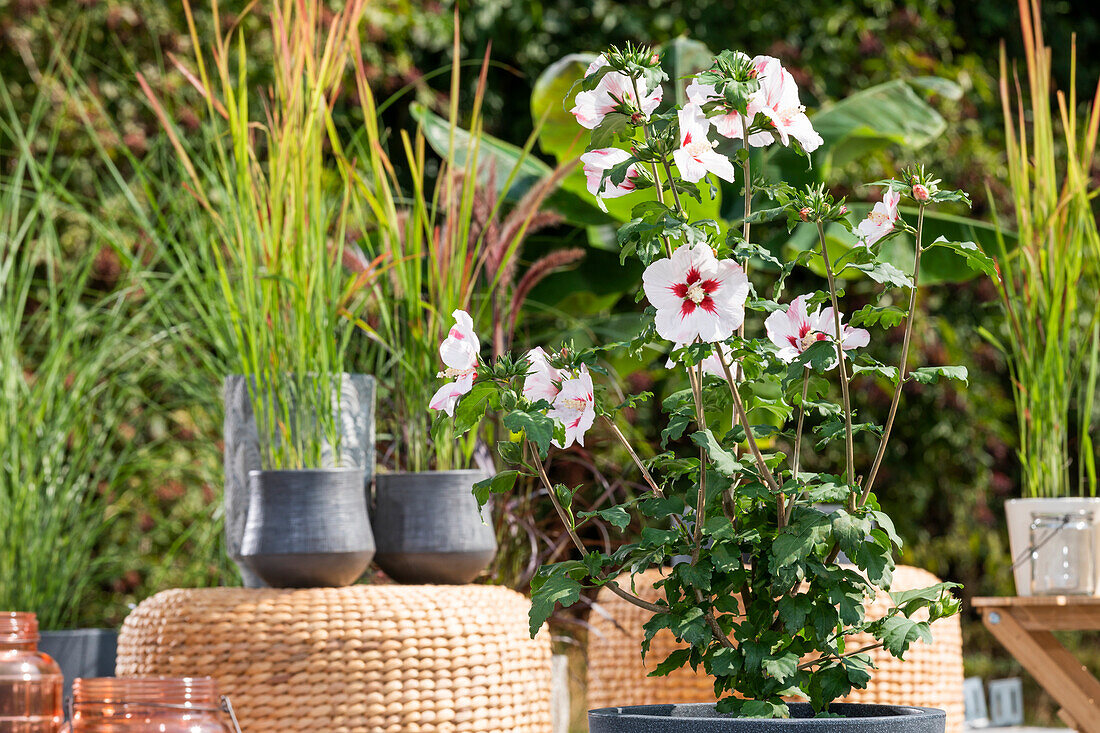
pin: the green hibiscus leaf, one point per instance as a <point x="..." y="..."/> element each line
<point x="502" y="482"/>
<point x="931" y="375"/>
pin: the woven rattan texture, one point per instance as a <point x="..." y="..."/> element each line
<point x="930" y="676"/>
<point x="362" y="659"/>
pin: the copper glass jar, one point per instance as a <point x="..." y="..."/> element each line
<point x="30" y="682"/>
<point x="132" y="704"/>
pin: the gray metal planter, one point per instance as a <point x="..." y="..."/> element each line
<point x="81" y="652"/>
<point x="703" y="718"/>
<point x="307" y="528"/>
<point x="242" y="451"/>
<point x="428" y="528"/>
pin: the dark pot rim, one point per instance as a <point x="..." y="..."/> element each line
<point x="304" y="471"/>
<point x="452" y="472"/>
<point x="887" y="713"/>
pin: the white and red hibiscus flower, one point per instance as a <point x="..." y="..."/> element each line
<point x="596" y="162"/>
<point x="697" y="296"/>
<point x="696" y="156"/>
<point x="459" y="353"/>
<point x="795" y="330"/>
<point x="881" y="220"/>
<point x="544" y="381"/>
<point x="613" y="93"/>
<point x="777" y="99"/>
<point x="575" y="407"/>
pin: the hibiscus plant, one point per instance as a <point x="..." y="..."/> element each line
<point x="767" y="566"/>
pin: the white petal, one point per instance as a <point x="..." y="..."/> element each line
<point x="693" y="122"/>
<point x="657" y="282"/>
<point x="779" y="328"/>
<point x="719" y="165"/>
<point x="803" y="131"/>
<point x="691" y="170"/>
<point x="699" y="93"/>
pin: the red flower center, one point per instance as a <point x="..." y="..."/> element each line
<point x="696" y="293"/>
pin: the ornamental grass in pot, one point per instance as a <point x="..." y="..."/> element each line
<point x="441" y="243"/>
<point x="1048" y="295"/>
<point x="755" y="590"/>
<point x="278" y="220"/>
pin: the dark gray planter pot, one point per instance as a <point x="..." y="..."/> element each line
<point x="703" y="718"/>
<point x="307" y="528"/>
<point x="428" y="528"/>
<point x="81" y="652"/>
<point x="242" y="451"/>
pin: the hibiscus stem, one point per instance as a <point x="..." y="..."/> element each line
<point x="838" y="337"/>
<point x="653" y="167"/>
<point x="798" y="438"/>
<point x="696" y="379"/>
<point x="746" y="173"/>
<point x="765" y="473"/>
<point x="634" y="456"/>
<point x="902" y="366"/>
<point x="610" y="584"/>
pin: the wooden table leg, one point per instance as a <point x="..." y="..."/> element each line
<point x="1068" y="719"/>
<point x="1054" y="668"/>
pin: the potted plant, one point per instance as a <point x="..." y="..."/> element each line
<point x="1052" y="339"/>
<point x="299" y="430"/>
<point x="755" y="590"/>
<point x="440" y="243"/>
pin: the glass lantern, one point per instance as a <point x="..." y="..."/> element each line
<point x="1063" y="554"/>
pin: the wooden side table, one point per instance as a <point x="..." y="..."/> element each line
<point x="1023" y="625"/>
<point x="362" y="659"/>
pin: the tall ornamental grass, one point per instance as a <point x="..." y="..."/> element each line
<point x="71" y="359"/>
<point x="446" y="239"/>
<point x="1049" y="284"/>
<point x="278" y="218"/>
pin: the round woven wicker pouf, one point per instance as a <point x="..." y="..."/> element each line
<point x="362" y="659"/>
<point x="930" y="676"/>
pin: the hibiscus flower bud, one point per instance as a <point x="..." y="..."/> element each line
<point x="843" y="210"/>
<point x="804" y="213"/>
<point x="654" y="59"/>
<point x="920" y="192"/>
<point x="637" y="118"/>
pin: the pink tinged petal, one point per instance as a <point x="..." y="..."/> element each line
<point x="596" y="65"/>
<point x="446" y="397"/>
<point x="891" y="199"/>
<point x="584" y="109"/>
<point x="596" y="162"/>
<point x="460" y="349"/>
<point x="542" y="383"/>
<point x="855" y="338"/>
<point x="650" y="104"/>
<point x="574" y="407"/>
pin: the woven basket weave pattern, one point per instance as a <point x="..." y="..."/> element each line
<point x="377" y="659"/>
<point x="930" y="676"/>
